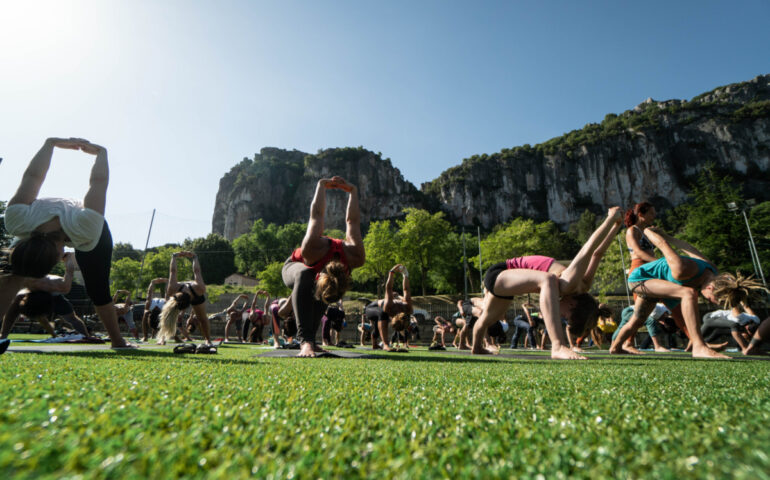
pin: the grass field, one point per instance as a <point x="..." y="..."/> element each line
<point x="151" y="414"/>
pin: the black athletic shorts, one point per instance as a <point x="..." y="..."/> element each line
<point x="491" y="277"/>
<point x="62" y="306"/>
<point x="290" y="327"/>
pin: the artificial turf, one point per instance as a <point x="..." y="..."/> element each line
<point x="151" y="414"/>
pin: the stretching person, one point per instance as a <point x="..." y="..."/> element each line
<point x="45" y="225"/>
<point x="256" y="320"/>
<point x="551" y="279"/>
<point x="736" y="321"/>
<point x="470" y="309"/>
<point x="762" y="335"/>
<point x="235" y="315"/>
<point x="526" y="324"/>
<point x="152" y="309"/>
<point x="392" y="310"/>
<point x="677" y="280"/>
<point x="125" y="310"/>
<point x="658" y="314"/>
<point x="55" y="287"/>
<point x="318" y="273"/>
<point x="332" y="324"/>
<point x="179" y="296"/>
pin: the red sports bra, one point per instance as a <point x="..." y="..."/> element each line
<point x="336" y="248"/>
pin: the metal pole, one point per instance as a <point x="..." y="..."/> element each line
<point x="754" y="259"/>
<point x="465" y="268"/>
<point x="623" y="264"/>
<point x="754" y="248"/>
<point x="144" y="254"/>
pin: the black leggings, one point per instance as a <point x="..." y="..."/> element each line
<point x="95" y="266"/>
<point x="374" y="314"/>
<point x="308" y="310"/>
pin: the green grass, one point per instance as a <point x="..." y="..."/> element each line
<point x="151" y="414"/>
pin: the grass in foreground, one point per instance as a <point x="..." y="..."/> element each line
<point x="151" y="414"/>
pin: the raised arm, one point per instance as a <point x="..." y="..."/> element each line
<point x="96" y="197"/>
<point x="389" y="297"/>
<point x="173" y="284"/>
<point x="232" y="306"/>
<point x="150" y="289"/>
<point x="407" y="290"/>
<point x="198" y="274"/>
<point x="34" y="175"/>
<point x="596" y="259"/>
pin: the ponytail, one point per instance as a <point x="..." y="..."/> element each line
<point x="168" y="318"/>
<point x="632" y="215"/>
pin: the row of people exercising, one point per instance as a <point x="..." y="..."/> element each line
<point x="318" y="273"/>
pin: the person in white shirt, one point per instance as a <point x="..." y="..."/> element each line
<point x="43" y="226"/>
<point x="717" y="322"/>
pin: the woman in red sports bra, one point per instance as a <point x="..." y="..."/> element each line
<point x="319" y="272"/>
<point x="552" y="280"/>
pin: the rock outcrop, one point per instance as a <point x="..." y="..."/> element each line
<point x="653" y="151"/>
<point x="278" y="185"/>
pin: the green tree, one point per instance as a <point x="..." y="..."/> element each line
<point x="270" y="279"/>
<point x="265" y="244"/>
<point x="584" y="227"/>
<point x="380" y="254"/>
<point x="610" y="276"/>
<point x="719" y="234"/>
<point x="216" y="256"/>
<point x="421" y="242"/>
<point x="124" y="275"/>
<point x="125" y="250"/>
<point x="156" y="265"/>
<point x="521" y="237"/>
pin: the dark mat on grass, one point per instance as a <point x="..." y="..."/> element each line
<point x="331" y="354"/>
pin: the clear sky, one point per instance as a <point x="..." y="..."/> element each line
<point x="180" y="91"/>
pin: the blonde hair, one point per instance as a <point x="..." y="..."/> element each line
<point x="168" y="318"/>
<point x="731" y="290"/>
<point x="333" y="282"/>
<point x="400" y="321"/>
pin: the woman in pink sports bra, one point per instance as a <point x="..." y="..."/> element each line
<point x="552" y="280"/>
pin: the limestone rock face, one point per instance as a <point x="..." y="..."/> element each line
<point x="651" y="152"/>
<point x="278" y="186"/>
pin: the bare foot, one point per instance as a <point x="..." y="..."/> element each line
<point x="631" y="349"/>
<point x="306" y="350"/>
<point x="318" y="349"/>
<point x="564" y="353"/>
<point x="124" y="345"/>
<point x="577" y="350"/>
<point x="705" y="352"/>
<point x="482" y="351"/>
<point x="622" y="351"/>
<point x="718" y="347"/>
<point x="753" y="349"/>
<point x="615" y="214"/>
<point x="387" y="348"/>
<point x="662" y="349"/>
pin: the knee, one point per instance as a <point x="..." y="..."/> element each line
<point x="549" y="282"/>
<point x="688" y="293"/>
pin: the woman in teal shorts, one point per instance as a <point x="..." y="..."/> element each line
<point x="676" y="280"/>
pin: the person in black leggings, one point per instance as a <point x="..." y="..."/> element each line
<point x="392" y="310"/>
<point x="318" y="273"/>
<point x="179" y="296"/>
<point x="45" y="225"/>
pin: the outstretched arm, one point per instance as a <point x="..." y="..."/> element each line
<point x="150" y="288"/>
<point x="34" y="175"/>
<point x="54" y="284"/>
<point x="407" y="291"/>
<point x="389" y="296"/>
<point x="96" y="197"/>
<point x="173" y="284"/>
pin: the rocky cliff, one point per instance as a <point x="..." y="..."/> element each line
<point x="277" y="186"/>
<point x="653" y="151"/>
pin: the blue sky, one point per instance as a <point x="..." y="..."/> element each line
<point x="180" y="91"/>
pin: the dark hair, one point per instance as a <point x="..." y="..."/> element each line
<point x="35" y="256"/>
<point x="633" y="213"/>
<point x="182" y="300"/>
<point x="36" y="303"/>
<point x="585" y="314"/>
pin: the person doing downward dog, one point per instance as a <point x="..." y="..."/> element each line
<point x="255" y="319"/>
<point x="179" y="296"/>
<point x="544" y="275"/>
<point x="152" y="309"/>
<point x="235" y="316"/>
<point x="677" y="280"/>
<point x="392" y="310"/>
<point x="44" y="226"/>
<point x="318" y="273"/>
<point x="43" y="298"/>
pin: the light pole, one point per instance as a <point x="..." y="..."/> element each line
<point x="735" y="208"/>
